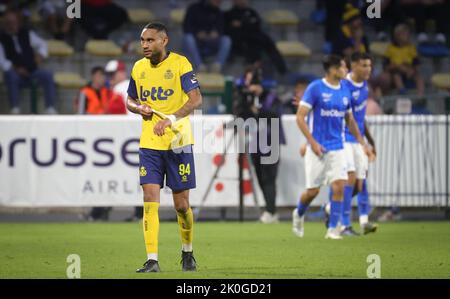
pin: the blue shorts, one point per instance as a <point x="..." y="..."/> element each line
<point x="176" y="166"/>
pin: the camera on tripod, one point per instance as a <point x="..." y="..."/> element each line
<point x="249" y="93"/>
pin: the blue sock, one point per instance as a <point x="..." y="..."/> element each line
<point x="301" y="208"/>
<point x="347" y="206"/>
<point x="363" y="200"/>
<point x="335" y="213"/>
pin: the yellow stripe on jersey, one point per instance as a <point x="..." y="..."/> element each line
<point x="164" y="88"/>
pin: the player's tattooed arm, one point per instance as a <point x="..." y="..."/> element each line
<point x="195" y="101"/>
<point x="315" y="146"/>
<point x="135" y="107"/>
<point x="354" y="130"/>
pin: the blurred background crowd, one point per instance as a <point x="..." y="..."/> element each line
<point x="51" y="63"/>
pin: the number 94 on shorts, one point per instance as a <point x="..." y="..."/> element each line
<point x="175" y="167"/>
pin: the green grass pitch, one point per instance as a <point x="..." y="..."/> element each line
<point x="224" y="250"/>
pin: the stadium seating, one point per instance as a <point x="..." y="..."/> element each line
<point x="103" y="48"/>
<point x="378" y="48"/>
<point x="69" y="80"/>
<point x="441" y="81"/>
<point x="177" y="16"/>
<point x="59" y="48"/>
<point x="211" y="81"/>
<point x="281" y="17"/>
<point x="140" y="15"/>
<point x="293" y="49"/>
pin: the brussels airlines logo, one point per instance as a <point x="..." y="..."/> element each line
<point x="155" y="93"/>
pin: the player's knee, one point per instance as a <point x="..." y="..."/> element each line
<point x="351" y="178"/>
<point x="312" y="193"/>
<point x="358" y="186"/>
<point x="182" y="208"/>
<point x="150" y="196"/>
<point x="338" y="189"/>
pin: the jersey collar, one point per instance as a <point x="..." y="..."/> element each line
<point x="349" y="78"/>
<point x="330" y="85"/>
<point x="161" y="62"/>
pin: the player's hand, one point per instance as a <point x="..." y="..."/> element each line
<point x="303" y="149"/>
<point x="372" y="157"/>
<point x="160" y="126"/>
<point x="317" y="148"/>
<point x="367" y="150"/>
<point x="145" y="110"/>
<point x="373" y="154"/>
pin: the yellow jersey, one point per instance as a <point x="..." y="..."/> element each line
<point x="164" y="88"/>
<point x="401" y="55"/>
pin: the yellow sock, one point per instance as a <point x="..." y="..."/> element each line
<point x="151" y="229"/>
<point x="186" y="223"/>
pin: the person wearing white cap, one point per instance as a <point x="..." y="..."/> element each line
<point x="118" y="79"/>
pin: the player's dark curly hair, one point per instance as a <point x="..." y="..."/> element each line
<point x="331" y="61"/>
<point x="159" y="27"/>
<point x="357" y="56"/>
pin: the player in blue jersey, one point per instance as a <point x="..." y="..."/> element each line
<point x="357" y="161"/>
<point x="326" y="104"/>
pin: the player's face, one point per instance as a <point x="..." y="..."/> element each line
<point x="341" y="71"/>
<point x="362" y="68"/>
<point x="153" y="43"/>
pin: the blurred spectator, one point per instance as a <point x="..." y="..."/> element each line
<point x="18" y="5"/>
<point x="257" y="102"/>
<point x="423" y="10"/>
<point x="373" y="108"/>
<point x="101" y="17"/>
<point x="334" y="11"/>
<point x="351" y="38"/>
<point x="401" y="64"/>
<point x="118" y="80"/>
<point x="21" y="53"/>
<point x="97" y="98"/>
<point x="203" y="28"/>
<point x="291" y="99"/>
<point x="55" y="16"/>
<point x="243" y="25"/>
<point x="392" y="15"/>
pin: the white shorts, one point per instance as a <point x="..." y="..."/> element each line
<point x="323" y="171"/>
<point x="357" y="160"/>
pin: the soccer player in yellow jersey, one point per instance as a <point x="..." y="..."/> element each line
<point x="164" y="90"/>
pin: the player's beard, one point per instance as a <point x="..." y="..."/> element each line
<point x="155" y="58"/>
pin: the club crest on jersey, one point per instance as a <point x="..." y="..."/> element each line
<point x="156" y="93"/>
<point x="355" y="94"/>
<point x="142" y="171"/>
<point x="142" y="76"/>
<point x="168" y="75"/>
<point x="345" y="100"/>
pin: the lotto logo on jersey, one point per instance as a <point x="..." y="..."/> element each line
<point x="156" y="93"/>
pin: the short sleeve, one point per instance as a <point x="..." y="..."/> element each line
<point x="132" y="90"/>
<point x="310" y="96"/>
<point x="188" y="78"/>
